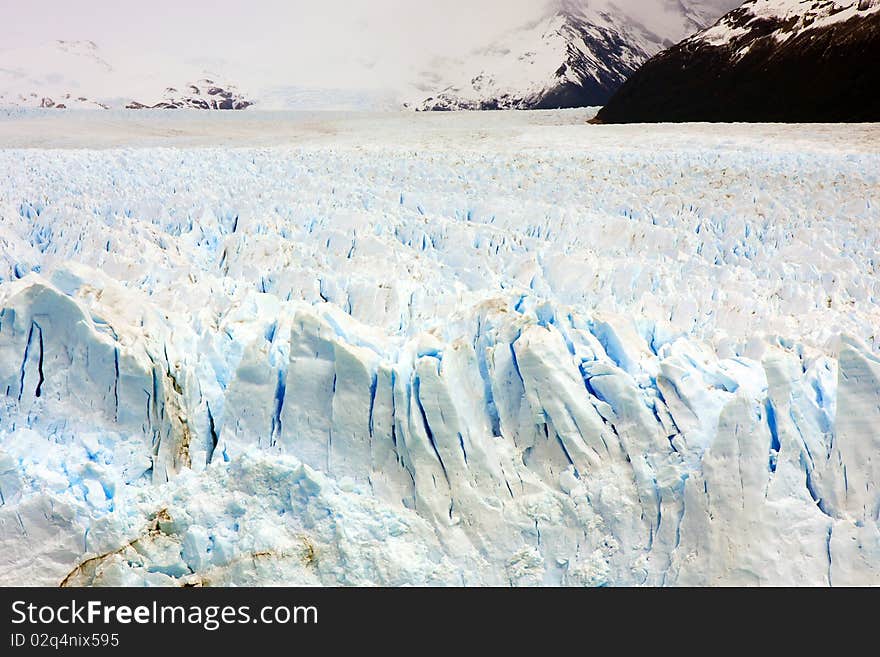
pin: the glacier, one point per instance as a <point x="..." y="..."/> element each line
<point x="439" y="350"/>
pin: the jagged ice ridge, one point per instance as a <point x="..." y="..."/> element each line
<point x="472" y="364"/>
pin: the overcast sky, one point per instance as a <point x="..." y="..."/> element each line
<point x="334" y="42"/>
<point x="323" y="31"/>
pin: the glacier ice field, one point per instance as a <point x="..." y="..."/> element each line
<point x="441" y="351"/>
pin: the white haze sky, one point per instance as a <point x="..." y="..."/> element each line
<point x="344" y="43"/>
<point x="309" y="38"/>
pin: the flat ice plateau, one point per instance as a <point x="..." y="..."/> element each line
<point x="498" y="348"/>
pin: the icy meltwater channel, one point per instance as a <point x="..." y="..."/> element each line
<point x="462" y="349"/>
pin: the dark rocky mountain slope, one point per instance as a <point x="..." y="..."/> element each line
<point x="768" y="60"/>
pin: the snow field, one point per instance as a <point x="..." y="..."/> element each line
<point x="641" y="362"/>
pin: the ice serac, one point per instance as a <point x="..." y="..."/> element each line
<point x="59" y="359"/>
<point x="857" y="435"/>
<point x="55" y="354"/>
<point x="378" y="365"/>
<point x="768" y="60"/>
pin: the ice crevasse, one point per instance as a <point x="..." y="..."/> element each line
<point x="256" y="406"/>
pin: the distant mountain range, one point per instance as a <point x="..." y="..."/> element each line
<point x="768" y="60"/>
<point x="573" y="53"/>
<point x="76" y="74"/>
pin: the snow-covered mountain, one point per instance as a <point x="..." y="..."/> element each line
<point x="204" y="94"/>
<point x="58" y="74"/>
<point x="77" y="74"/>
<point x="575" y="54"/>
<point x="768" y="60"/>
